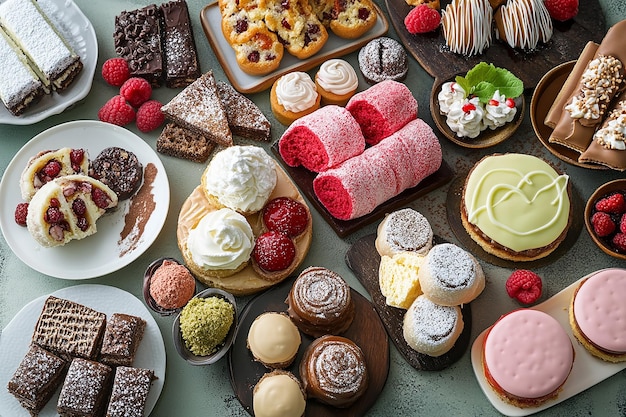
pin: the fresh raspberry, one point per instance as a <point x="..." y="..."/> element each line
<point x="136" y="91"/>
<point x="21" y="211"/>
<point x="619" y="242"/>
<point x="524" y="285"/>
<point x="422" y="19"/>
<point x="150" y="116"/>
<point x="117" y="111"/>
<point x="52" y="168"/>
<point x="622" y="223"/>
<point x="614" y="204"/>
<point x="54" y="215"/>
<point x="286" y="215"/>
<point x="115" y="71"/>
<point x="274" y="251"/>
<point x="602" y="224"/>
<point x="562" y="10"/>
<point x="100" y="198"/>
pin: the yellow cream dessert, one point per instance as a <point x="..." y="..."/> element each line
<point x="278" y="394"/>
<point x="204" y="324"/>
<point x="516" y="206"/>
<point x="219" y="245"/>
<point x="240" y="178"/>
<point x="274" y="340"/>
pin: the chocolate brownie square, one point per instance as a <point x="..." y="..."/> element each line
<point x="131" y="387"/>
<point x="121" y="339"/>
<point x="85" y="389"/>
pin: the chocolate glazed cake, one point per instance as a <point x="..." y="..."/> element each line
<point x="179" y="47"/>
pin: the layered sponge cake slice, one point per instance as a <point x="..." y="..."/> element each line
<point x="20" y="88"/>
<point x="52" y="58"/>
<point x="67" y="208"/>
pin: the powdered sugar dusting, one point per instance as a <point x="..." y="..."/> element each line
<point x="321" y="292"/>
<point x="408" y="230"/>
<point x="451" y="266"/>
<point x="84" y="386"/>
<point x="339" y="367"/>
<point x="432" y="323"/>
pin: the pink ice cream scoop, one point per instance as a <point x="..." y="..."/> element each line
<point x="172" y="285"/>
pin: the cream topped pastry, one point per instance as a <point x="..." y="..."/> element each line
<point x="465" y="118"/>
<point x="450" y="93"/>
<point x="527" y="357"/>
<point x="222" y="241"/>
<point x="241" y="178"/>
<point x="296" y="91"/>
<point x="516" y="206"/>
<point x="336" y="77"/>
<point x="499" y="111"/>
<point x="596" y="314"/>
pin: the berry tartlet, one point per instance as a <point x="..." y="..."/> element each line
<point x="273" y="254"/>
<point x="286" y="215"/>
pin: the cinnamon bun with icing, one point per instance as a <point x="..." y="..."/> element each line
<point x="333" y="371"/>
<point x="320" y="302"/>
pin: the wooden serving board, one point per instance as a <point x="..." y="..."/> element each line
<point x="568" y="40"/>
<point x="364" y="261"/>
<point x="366" y="331"/>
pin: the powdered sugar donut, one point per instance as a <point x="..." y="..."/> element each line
<point x="451" y="276"/>
<point x="383" y="109"/>
<point x="322" y="139"/>
<point x="430" y="328"/>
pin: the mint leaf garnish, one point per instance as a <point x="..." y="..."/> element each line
<point x="484" y="79"/>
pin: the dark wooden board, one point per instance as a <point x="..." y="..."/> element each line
<point x="453" y="209"/>
<point x="364" y="261"/>
<point x="568" y="40"/>
<point x="367" y="331"/>
<point x="304" y="180"/>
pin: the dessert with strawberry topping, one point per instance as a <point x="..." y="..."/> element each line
<point x="450" y="92"/>
<point x="286" y="215"/>
<point x="525" y="286"/>
<point x="50" y="164"/>
<point x="465" y="118"/>
<point x="499" y="111"/>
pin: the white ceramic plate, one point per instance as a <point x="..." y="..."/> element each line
<point x="586" y="372"/>
<point x="79" y="32"/>
<point x="104" y="252"/>
<point x="17" y="334"/>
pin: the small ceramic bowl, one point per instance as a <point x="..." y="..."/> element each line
<point x="179" y="343"/>
<point x="602" y="191"/>
<point x="150" y="302"/>
<point x="486" y="138"/>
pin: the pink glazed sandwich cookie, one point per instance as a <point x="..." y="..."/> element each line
<point x="597" y="314"/>
<point x="527" y="357"/>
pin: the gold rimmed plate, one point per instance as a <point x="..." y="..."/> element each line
<point x="488" y="137"/>
<point x="546" y="92"/>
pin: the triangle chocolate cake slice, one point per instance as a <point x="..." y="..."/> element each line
<point x="244" y="117"/>
<point x="199" y="109"/>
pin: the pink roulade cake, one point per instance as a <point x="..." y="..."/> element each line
<point x="527" y="357"/>
<point x="597" y="314"/>
<point x="357" y="186"/>
<point x="383" y="109"/>
<point x="322" y="139"/>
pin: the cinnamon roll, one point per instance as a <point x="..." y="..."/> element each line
<point x="333" y="371"/>
<point x="320" y="302"/>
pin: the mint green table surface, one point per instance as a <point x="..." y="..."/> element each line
<point x="206" y="391"/>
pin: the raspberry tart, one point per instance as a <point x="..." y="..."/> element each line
<point x="286" y="215"/>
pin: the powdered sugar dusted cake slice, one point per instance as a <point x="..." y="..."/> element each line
<point x="85" y="388"/>
<point x="53" y="59"/>
<point x="244" y="117"/>
<point x="130" y="392"/>
<point x="199" y="108"/>
<point x="20" y="87"/>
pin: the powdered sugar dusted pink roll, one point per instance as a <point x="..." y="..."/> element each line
<point x="322" y="139"/>
<point x="360" y="184"/>
<point x="383" y="109"/>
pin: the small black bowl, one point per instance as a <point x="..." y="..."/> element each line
<point x="146" y="288"/>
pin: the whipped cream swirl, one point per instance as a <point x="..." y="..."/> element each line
<point x="337" y="76"/>
<point x="465" y="118"/>
<point x="241" y="178"/>
<point x="450" y="92"/>
<point x="498" y="111"/>
<point x="222" y="240"/>
<point x="296" y="91"/>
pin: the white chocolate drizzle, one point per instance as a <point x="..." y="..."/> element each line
<point x="467" y="26"/>
<point x="525" y="23"/>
